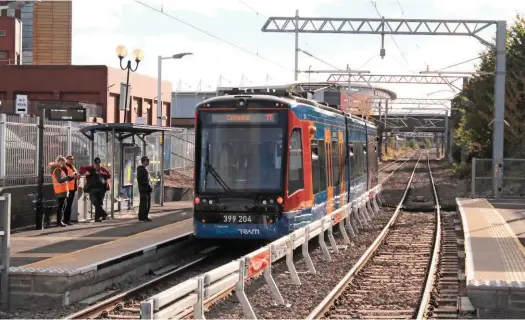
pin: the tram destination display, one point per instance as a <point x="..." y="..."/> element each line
<point x="67" y="114"/>
<point x="259" y="118"/>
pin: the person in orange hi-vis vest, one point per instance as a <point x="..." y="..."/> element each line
<point x="72" y="186"/>
<point x="61" y="179"/>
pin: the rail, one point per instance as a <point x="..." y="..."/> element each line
<point x="318" y="312"/>
<point x="191" y="297"/>
<point x="393" y="162"/>
<point x="431" y="274"/>
<point x="103" y="308"/>
<point x="401" y="165"/>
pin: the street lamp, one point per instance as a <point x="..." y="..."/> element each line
<point x="159" y="83"/>
<point x="138" y="56"/>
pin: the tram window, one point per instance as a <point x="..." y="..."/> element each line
<point x="351" y="157"/>
<point x="362" y="157"/>
<point x="295" y="164"/>
<point x="357" y="164"/>
<point x="335" y="163"/>
<point x="344" y="163"/>
<point x="315" y="166"/>
<point x="322" y="166"/>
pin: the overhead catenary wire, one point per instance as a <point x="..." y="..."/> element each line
<point x="393" y="40"/>
<point x="213" y="36"/>
<point x="300" y="50"/>
<point x="403" y="15"/>
<point x="463" y="62"/>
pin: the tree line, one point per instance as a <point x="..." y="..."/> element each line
<point x="473" y="107"/>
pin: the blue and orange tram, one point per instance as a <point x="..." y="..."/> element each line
<point x="270" y="161"/>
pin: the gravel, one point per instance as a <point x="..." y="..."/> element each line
<point x="300" y="300"/>
<point x="390" y="284"/>
<point x="314" y="288"/>
<point x="222" y="256"/>
<point x="447" y="184"/>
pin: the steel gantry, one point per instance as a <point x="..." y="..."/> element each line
<point x="391" y="78"/>
<point x="433" y="27"/>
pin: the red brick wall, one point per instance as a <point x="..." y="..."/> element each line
<point x="60" y="83"/>
<point x="8" y="25"/>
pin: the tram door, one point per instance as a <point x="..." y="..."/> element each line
<point x="330" y="186"/>
<point x="342" y="168"/>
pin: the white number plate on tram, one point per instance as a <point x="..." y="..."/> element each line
<point x="231" y="218"/>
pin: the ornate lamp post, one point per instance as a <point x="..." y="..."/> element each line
<point x="138" y="56"/>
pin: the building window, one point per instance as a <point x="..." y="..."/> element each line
<point x="2" y="33"/>
<point x="3" y="55"/>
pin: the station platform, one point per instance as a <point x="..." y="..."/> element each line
<point x="57" y="266"/>
<point x="495" y="256"/>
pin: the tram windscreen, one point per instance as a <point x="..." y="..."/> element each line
<point x="245" y="157"/>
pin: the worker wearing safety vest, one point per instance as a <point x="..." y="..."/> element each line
<point x="61" y="179"/>
<point x="72" y="186"/>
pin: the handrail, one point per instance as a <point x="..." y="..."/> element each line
<point x="192" y="296"/>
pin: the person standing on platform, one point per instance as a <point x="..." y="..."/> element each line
<point x="61" y="179"/>
<point x="145" y="189"/>
<point x="72" y="186"/>
<point x="96" y="185"/>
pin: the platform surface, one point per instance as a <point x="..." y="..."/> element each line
<point x="495" y="256"/>
<point x="78" y="246"/>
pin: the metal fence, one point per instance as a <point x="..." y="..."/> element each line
<point x="19" y="143"/>
<point x="513" y="172"/>
<point x="5" y="235"/>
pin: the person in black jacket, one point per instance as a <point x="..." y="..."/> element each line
<point x="145" y="189"/>
<point x="96" y="185"/>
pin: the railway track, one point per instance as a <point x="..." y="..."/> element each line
<point x="391" y="163"/>
<point x="395" y="278"/>
<point x="126" y="305"/>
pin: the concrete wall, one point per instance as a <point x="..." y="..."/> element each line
<point x="185" y="103"/>
<point x="23" y="212"/>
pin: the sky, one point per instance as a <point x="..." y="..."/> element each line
<point x="231" y="46"/>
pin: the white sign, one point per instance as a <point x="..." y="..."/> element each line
<point x="124" y="99"/>
<point x="21" y="104"/>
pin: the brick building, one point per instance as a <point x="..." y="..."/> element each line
<point x="46" y="34"/>
<point x="98" y="85"/>
<point x="10" y="45"/>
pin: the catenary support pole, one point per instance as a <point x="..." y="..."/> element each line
<point x="296" y="70"/>
<point x="499" y="108"/>
<point x="39" y="223"/>
<point x="113" y="172"/>
<point x="447" y="136"/>
<point x="159" y="92"/>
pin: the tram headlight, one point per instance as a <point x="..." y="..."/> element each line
<point x="241" y="103"/>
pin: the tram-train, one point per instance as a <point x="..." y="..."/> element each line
<point x="268" y="163"/>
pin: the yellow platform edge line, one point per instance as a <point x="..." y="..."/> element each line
<point x="504" y="222"/>
<point x="35" y="264"/>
